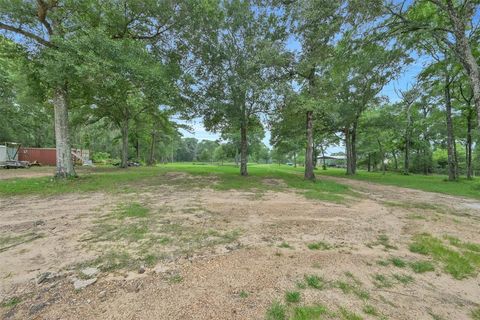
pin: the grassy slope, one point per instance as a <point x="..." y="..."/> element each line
<point x="120" y="180"/>
<point x="433" y="183"/>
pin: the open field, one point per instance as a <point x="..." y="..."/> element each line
<point x="201" y="242"/>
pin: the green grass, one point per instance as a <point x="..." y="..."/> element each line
<point x="133" y="210"/>
<point x="463" y="245"/>
<point x="243" y="294"/>
<point x="422" y="266"/>
<point x="175" y="278"/>
<point x="315" y="282"/>
<point x="432" y="183"/>
<point x="131" y="235"/>
<point x="475" y="314"/>
<point x="352" y="288"/>
<point x="398" y="262"/>
<point x="460" y="264"/>
<point x="10" y="303"/>
<point x="276" y="311"/>
<point x="349" y="315"/>
<point x="109" y="179"/>
<point x="292" y="296"/>
<point x="301" y="285"/>
<point x="383" y="263"/>
<point x="319" y="245"/>
<point x="383" y="240"/>
<point x="285" y="245"/>
<point x="368" y="309"/>
<point x="403" y="278"/>
<point x="381" y="281"/>
<point x="309" y="312"/>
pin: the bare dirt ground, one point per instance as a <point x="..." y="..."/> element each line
<point x="229" y="254"/>
<point x="34" y="172"/>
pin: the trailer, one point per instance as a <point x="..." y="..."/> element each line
<point x="9" y="156"/>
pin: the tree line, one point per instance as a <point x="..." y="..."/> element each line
<point x="98" y="73"/>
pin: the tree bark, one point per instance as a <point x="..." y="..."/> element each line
<point x="452" y="164"/>
<point x="425" y="161"/>
<point x="294" y="159"/>
<point x="243" y="149"/>
<point x="369" y="162"/>
<point x="382" y="154"/>
<point x="137" y="148"/>
<point x="64" y="167"/>
<point x="309" y="173"/>
<point x="151" y="157"/>
<point x="395" y="161"/>
<point x="348" y="150"/>
<point x="469" y="145"/>
<point x="354" y="147"/>
<point x="124" y="163"/>
<point x="464" y="52"/>
<point x="406" y="165"/>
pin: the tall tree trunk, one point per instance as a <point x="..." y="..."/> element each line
<point x="425" y="161"/>
<point x="294" y="159"/>
<point x="137" y="148"/>
<point x="395" y="161"/>
<point x="151" y="156"/>
<point x="309" y="174"/>
<point x="354" y="147"/>
<point x="466" y="57"/>
<point x="469" y="145"/>
<point x="124" y="163"/>
<point x="369" y="162"/>
<point x="348" y="149"/>
<point x="452" y="165"/>
<point x="64" y="167"/>
<point x="406" y="164"/>
<point x="243" y="149"/>
<point x="382" y="154"/>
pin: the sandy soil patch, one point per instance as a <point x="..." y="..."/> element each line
<point x="208" y="274"/>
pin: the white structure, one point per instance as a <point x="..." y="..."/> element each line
<point x="332" y="161"/>
<point x="7" y="152"/>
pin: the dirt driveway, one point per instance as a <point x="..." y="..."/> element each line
<point x="168" y="253"/>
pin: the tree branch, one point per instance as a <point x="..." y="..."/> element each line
<point x="27" y="34"/>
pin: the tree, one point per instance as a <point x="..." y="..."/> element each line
<point x="449" y="22"/>
<point x="409" y="97"/>
<point x="219" y="154"/>
<point x="466" y="95"/>
<point x="40" y="24"/>
<point x="315" y="24"/>
<point x="239" y="56"/>
<point x="357" y="77"/>
<point x="54" y="30"/>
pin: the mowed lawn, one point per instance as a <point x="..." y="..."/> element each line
<point x="227" y="177"/>
<point x="223" y="177"/>
<point x="432" y="183"/>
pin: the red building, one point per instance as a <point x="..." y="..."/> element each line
<point x="48" y="156"/>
